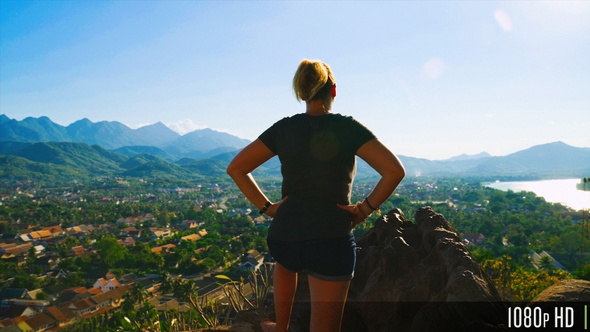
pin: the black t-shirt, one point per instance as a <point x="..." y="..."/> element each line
<point x="318" y="164"/>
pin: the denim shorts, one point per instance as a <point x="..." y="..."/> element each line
<point x="326" y="259"/>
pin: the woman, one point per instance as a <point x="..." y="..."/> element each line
<point x="312" y="226"/>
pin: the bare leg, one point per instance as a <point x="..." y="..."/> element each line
<point x="327" y="304"/>
<point x="285" y="285"/>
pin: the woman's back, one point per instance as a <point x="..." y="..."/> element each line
<point x="317" y="155"/>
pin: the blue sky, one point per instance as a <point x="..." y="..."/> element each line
<point x="432" y="79"/>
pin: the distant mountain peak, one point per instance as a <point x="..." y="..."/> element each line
<point x="556" y="144"/>
<point x="553" y="147"/>
<point x="157" y="134"/>
<point x="42" y="118"/>
<point x="81" y="123"/>
<point x="4" y="118"/>
<point x="157" y="125"/>
<point x="470" y="157"/>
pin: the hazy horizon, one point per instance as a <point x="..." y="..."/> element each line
<point x="432" y="80"/>
<point x="184" y="132"/>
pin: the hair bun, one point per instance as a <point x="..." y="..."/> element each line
<point x="311" y="76"/>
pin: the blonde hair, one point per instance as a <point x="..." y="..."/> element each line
<point x="313" y="80"/>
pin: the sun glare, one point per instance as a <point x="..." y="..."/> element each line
<point x="433" y="68"/>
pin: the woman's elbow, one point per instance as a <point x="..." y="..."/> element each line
<point x="232" y="170"/>
<point x="400" y="174"/>
<point x="396" y="172"/>
<point x="402" y="170"/>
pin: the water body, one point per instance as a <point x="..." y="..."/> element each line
<point x="554" y="191"/>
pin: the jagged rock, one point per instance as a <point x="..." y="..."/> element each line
<point x="414" y="277"/>
<point x="570" y="290"/>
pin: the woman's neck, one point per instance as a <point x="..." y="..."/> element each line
<point x="316" y="107"/>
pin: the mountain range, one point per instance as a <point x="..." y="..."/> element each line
<point x="155" y="139"/>
<point x="35" y="148"/>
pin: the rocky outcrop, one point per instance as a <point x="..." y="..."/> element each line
<point x="418" y="276"/>
<point x="414" y="276"/>
<point x="570" y="290"/>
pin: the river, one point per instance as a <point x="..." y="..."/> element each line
<point x="555" y="191"/>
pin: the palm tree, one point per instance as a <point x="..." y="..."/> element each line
<point x="546" y="263"/>
<point x="134" y="297"/>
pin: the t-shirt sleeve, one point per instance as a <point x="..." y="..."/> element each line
<point x="269" y="137"/>
<point x="359" y="134"/>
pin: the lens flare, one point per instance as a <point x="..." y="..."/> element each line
<point x="503" y="20"/>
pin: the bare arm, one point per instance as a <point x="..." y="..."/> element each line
<point x="391" y="170"/>
<point x="241" y="167"/>
<point x="387" y="165"/>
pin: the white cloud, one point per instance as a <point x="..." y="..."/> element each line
<point x="184" y="126"/>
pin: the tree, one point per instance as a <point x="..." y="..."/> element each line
<point x="164" y="218"/>
<point x="191" y="213"/>
<point x="26" y="281"/>
<point x="42" y="296"/>
<point x="134" y="297"/>
<point x="31" y="255"/>
<point x="183" y="288"/>
<point x="110" y="251"/>
<point x="546" y="264"/>
<point x="487" y="228"/>
<point x="583" y="271"/>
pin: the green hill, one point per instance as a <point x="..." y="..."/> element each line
<point x="19" y="168"/>
<point x="93" y="159"/>
<point x="210" y="167"/>
<point x="158" y="168"/>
